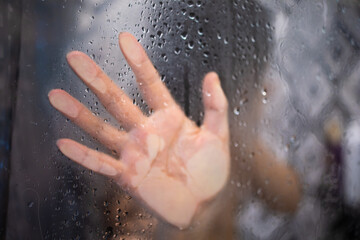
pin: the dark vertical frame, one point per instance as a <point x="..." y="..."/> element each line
<point x="10" y="20"/>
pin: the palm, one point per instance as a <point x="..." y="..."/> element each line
<point x="166" y="160"/>
<point x="180" y="160"/>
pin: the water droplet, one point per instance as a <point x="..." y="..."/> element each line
<point x="192" y="15"/>
<point x="160" y="34"/>
<point x="164" y="57"/>
<point x="243" y="101"/>
<point x="177" y="51"/>
<point x="191" y="45"/>
<point x="206" y="54"/>
<point x="264" y="92"/>
<point x="236" y="111"/>
<point x="178" y="25"/>
<point x="184" y="35"/>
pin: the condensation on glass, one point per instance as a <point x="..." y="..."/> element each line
<point x="290" y="70"/>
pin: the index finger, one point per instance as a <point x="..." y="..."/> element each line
<point x="153" y="89"/>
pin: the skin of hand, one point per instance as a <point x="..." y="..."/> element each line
<point x="165" y="160"/>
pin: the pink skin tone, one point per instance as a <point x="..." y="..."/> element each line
<point x="165" y="160"/>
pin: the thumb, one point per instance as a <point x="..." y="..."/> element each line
<point x="216" y="106"/>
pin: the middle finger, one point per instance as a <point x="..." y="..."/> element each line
<point x="109" y="94"/>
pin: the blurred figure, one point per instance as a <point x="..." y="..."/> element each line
<point x="310" y="102"/>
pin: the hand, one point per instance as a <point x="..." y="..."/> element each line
<point x="165" y="160"/>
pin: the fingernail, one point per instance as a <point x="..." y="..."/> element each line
<point x="86" y="69"/>
<point x="70" y="150"/>
<point x="82" y="65"/>
<point x="131" y="48"/>
<point x="63" y="102"/>
<point x="215" y="77"/>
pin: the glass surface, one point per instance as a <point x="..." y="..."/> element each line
<point x="290" y="71"/>
<point x="10" y="12"/>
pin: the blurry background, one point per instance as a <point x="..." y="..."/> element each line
<point x="291" y="72"/>
<point x="10" y="21"/>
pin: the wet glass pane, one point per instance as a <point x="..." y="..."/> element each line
<point x="289" y="70"/>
